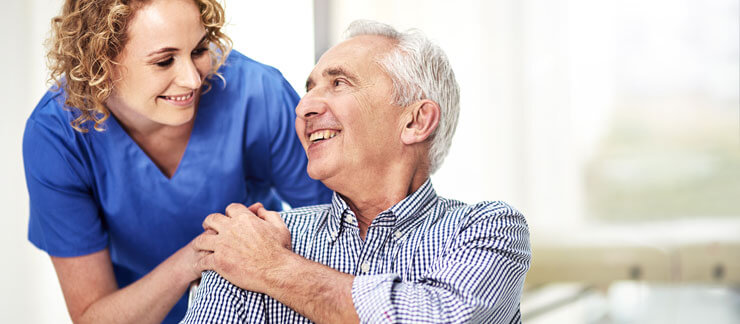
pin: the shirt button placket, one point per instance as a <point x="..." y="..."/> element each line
<point x="365" y="267"/>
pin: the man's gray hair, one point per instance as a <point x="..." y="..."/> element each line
<point x="419" y="70"/>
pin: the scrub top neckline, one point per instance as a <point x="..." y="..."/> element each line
<point x="136" y="149"/>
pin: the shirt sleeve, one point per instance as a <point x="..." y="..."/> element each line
<point x="288" y="159"/>
<point x="64" y="216"/>
<point x="218" y="301"/>
<point x="479" y="279"/>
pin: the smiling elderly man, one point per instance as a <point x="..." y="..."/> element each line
<point x="376" y="121"/>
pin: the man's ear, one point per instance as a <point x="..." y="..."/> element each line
<point x="421" y="122"/>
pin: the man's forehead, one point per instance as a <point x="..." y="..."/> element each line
<point x="350" y="57"/>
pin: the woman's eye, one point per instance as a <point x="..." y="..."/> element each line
<point x="165" y="63"/>
<point x="199" y="51"/>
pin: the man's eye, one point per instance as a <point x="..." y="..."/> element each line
<point x="338" y="82"/>
<point x="165" y="63"/>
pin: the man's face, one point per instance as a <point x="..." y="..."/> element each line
<point x="346" y="121"/>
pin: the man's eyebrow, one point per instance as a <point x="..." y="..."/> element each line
<point x="173" y="49"/>
<point x="332" y="71"/>
<point x="337" y="71"/>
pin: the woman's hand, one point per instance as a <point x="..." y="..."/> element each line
<point x="188" y="259"/>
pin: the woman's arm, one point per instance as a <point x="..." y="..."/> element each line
<point x="92" y="294"/>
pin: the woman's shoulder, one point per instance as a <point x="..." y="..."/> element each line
<point x="51" y="114"/>
<point x="240" y="67"/>
<point x="49" y="126"/>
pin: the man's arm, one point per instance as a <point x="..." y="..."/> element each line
<point x="254" y="253"/>
<point x="480" y="279"/>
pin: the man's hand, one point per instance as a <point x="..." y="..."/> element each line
<point x="247" y="245"/>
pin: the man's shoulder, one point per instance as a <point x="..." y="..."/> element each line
<point x="301" y="217"/>
<point x="485" y="211"/>
<point x="305" y="211"/>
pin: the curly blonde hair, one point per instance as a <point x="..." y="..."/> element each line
<point x="87" y="37"/>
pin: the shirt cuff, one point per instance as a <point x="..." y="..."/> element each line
<point x="371" y="295"/>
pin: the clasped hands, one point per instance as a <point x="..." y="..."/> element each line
<point x="246" y="246"/>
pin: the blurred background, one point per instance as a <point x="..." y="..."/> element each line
<point x="614" y="126"/>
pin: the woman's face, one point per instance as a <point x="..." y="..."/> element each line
<point x="162" y="65"/>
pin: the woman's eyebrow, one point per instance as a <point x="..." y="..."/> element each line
<point x="173" y="49"/>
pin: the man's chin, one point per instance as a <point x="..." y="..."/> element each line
<point x="321" y="173"/>
<point x="316" y="173"/>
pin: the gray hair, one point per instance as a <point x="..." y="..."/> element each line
<point x="419" y="70"/>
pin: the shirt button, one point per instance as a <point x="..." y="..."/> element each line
<point x="365" y="267"/>
<point x="348" y="219"/>
<point x="398" y="234"/>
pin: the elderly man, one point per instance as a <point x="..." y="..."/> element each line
<point x="376" y="121"/>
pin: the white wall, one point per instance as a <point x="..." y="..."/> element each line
<point x="516" y="139"/>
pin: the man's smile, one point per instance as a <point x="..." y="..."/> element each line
<point x="322" y="134"/>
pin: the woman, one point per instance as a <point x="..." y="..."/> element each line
<point x="138" y="142"/>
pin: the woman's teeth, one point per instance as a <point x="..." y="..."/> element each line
<point x="321" y="135"/>
<point x="179" y="98"/>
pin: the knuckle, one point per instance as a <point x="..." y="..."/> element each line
<point x="233" y="207"/>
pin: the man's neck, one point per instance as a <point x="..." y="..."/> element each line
<point x="378" y="192"/>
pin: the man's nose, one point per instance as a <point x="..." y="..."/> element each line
<point x="188" y="75"/>
<point x="311" y="105"/>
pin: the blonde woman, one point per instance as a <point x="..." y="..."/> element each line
<point x="152" y="125"/>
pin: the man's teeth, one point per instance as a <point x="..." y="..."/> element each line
<point x="179" y="98"/>
<point x="322" y="134"/>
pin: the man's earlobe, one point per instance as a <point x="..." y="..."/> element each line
<point x="422" y="122"/>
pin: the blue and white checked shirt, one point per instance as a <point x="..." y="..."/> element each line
<point x="426" y="259"/>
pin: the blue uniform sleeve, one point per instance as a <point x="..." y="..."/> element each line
<point x="64" y="217"/>
<point x="478" y="280"/>
<point x="288" y="159"/>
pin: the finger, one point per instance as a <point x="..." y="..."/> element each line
<point x="271" y="217"/>
<point x="235" y="209"/>
<point x="206" y="262"/>
<point x="255" y="207"/>
<point x="205" y="242"/>
<point x="215" y="222"/>
<point x="200" y="264"/>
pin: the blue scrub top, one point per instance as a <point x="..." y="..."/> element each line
<point x="93" y="190"/>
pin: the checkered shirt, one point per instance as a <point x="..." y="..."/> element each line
<point x="426" y="259"/>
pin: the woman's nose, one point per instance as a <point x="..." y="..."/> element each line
<point x="188" y="75"/>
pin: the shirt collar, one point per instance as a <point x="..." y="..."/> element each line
<point x="402" y="215"/>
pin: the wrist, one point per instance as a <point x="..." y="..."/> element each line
<point x="181" y="268"/>
<point x="287" y="270"/>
